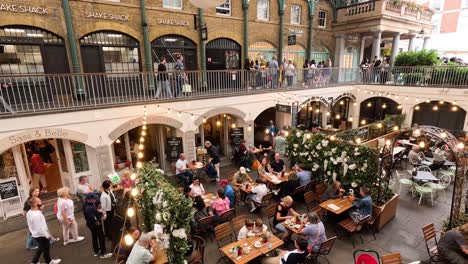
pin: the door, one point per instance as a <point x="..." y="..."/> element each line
<point x="351" y="64"/>
<point x="63" y="158"/>
<point x="92" y="59"/>
<point x="55" y="59"/>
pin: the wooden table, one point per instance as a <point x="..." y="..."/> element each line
<point x="254" y="252"/>
<point x="161" y="256"/>
<point x="342" y="203"/>
<point x="275" y="179"/>
<point x="208" y="196"/>
<point x="292" y="228"/>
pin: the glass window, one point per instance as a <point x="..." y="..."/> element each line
<point x="296" y="11"/>
<point x="436" y="23"/>
<point x="80" y="158"/>
<point x="463" y="23"/>
<point x="322" y="18"/>
<point x="121" y="59"/>
<point x="8" y="166"/>
<point x="437" y="5"/>
<point x="21" y="59"/>
<point x="224" y="9"/>
<point x="172" y="4"/>
<point x="263" y="9"/>
<point x="61" y="153"/>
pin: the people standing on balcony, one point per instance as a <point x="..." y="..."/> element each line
<point x="273" y="72"/>
<point x="163" y="79"/>
<point x="181" y="76"/>
<point x="319" y="73"/>
<point x="264" y="79"/>
<point x="327" y="71"/>
<point x="384" y="71"/>
<point x="365" y="67"/>
<point x="305" y="71"/>
<point x="214" y="155"/>
<point x="376" y="69"/>
<point x="290" y="73"/>
<point x="311" y="74"/>
<point x="252" y="74"/>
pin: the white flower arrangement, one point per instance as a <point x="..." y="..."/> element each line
<point x="180" y="233"/>
<point x="166" y="216"/>
<point x="354" y="185"/>
<point x="158" y="217"/>
<point x="329" y="173"/>
<point x="318" y="147"/>
<point x="333" y="150"/>
<point x="325" y="143"/>
<point x="334" y="176"/>
<point x="344" y="153"/>
<point x="295" y="146"/>
<point x="325" y="164"/>
<point x="298" y="134"/>
<point x="353" y="166"/>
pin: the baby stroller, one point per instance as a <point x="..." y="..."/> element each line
<point x="366" y="257"/>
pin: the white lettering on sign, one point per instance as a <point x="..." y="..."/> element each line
<point x="24" y="9"/>
<point x="297" y="32"/>
<point x="173" y="22"/>
<point x="106" y="16"/>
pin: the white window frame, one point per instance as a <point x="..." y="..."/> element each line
<point x="299" y="16"/>
<point x="174" y="7"/>
<point x="464" y="4"/>
<point x="230" y="8"/>
<point x="324" y="19"/>
<point x="437" y="18"/>
<point x="462" y="14"/>
<point x="442" y="3"/>
<point x="268" y="9"/>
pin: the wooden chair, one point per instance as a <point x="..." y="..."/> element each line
<point x="352" y="227"/>
<point x="266" y="200"/>
<point x="311" y="199"/>
<point x="223" y="233"/>
<point x="271" y="210"/>
<point x="200" y="246"/>
<point x="204" y="224"/>
<point x="319" y="211"/>
<point x="298" y="191"/>
<point x="394" y="258"/>
<point x="310" y="186"/>
<point x="238" y="223"/>
<point x="376" y="211"/>
<point x="227" y="216"/>
<point x="324" y="250"/>
<point x="430" y="238"/>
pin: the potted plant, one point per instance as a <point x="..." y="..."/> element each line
<point x="265" y="238"/>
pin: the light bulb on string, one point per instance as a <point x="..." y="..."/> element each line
<point x="422" y="144"/>
<point x="145" y="114"/>
<point x="396" y="96"/>
<point x="317" y="110"/>
<point x="144" y="122"/>
<point x="406" y="98"/>
<point x="249" y="128"/>
<point x="157" y="108"/>
<point x="363" y="122"/>
<point x="134" y="192"/>
<point x="454" y="102"/>
<point x="204" y="119"/>
<point x="417" y="133"/>
<point x="328" y="113"/>
<point x="417" y="99"/>
<point x="141" y="147"/>
<point x="338" y="116"/>
<point x="395" y="128"/>
<point x="286" y="133"/>
<point x="192" y="117"/>
<point x="179" y="114"/>
<point x="233" y="125"/>
<point x="130" y="212"/>
<point x="435" y="108"/>
<point x="354" y="104"/>
<point x="416" y="107"/>
<point x="142" y="139"/>
<point x="428" y="101"/>
<point x="128" y="240"/>
<point x="369" y="104"/>
<point x="341" y="102"/>
<point x="144" y="118"/>
<point x="267" y="131"/>
<point x="443" y="135"/>
<point x="332" y="137"/>
<point x="139" y="164"/>
<point x="358" y="140"/>
<point x="168" y="110"/>
<point x="460" y="146"/>
<point x="117" y="141"/>
<point x="384" y="106"/>
<point x="388" y="142"/>
<point x="133" y="176"/>
<point x="454" y="108"/>
<point x="310" y="108"/>
<point x="140" y="155"/>
<point x="350" y="119"/>
<point x="399" y="106"/>
<point x="144" y="127"/>
<point x="441" y="102"/>
<point x="218" y="123"/>
<point x="379" y="125"/>
<point x="308" y="136"/>
<point x="143" y="133"/>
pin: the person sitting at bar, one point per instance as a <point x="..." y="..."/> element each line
<point x="246" y="230"/>
<point x="333" y="191"/>
<point x="453" y="246"/>
<point x="363" y="205"/>
<point x="183" y="170"/>
<point x="238" y="182"/>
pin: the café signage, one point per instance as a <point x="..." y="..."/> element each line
<point x="24" y="9"/>
<point x="173" y="22"/>
<point x="106" y="16"/>
<point x="298" y="32"/>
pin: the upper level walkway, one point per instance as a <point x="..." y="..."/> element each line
<point x="41" y="94"/>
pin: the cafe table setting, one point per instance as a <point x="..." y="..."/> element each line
<point x="294" y="223"/>
<point x="208" y="199"/>
<point x="248" y="249"/>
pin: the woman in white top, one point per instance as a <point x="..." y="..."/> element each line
<point x="290" y="73"/>
<point x="197" y="187"/>
<point x="108" y="205"/>
<point x="66" y="216"/>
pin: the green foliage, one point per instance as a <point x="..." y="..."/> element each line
<point x="394" y="120"/>
<point x="417" y="58"/>
<point x="457" y="221"/>
<point x="349" y="162"/>
<point x="160" y="203"/>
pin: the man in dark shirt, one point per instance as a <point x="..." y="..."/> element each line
<point x="453" y="246"/>
<point x="278" y="165"/>
<point x="213" y="153"/>
<point x="94" y="223"/>
<point x="163" y="79"/>
<point x="266" y="146"/>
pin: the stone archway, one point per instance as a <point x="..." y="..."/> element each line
<point x="136" y="122"/>
<point x="219" y="111"/>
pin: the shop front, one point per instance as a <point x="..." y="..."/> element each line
<point x="171" y="46"/>
<point x="262" y="51"/>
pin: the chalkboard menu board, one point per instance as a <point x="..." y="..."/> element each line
<point x="236" y="135"/>
<point x="8" y="189"/>
<point x="283" y="108"/>
<point x="174" y="147"/>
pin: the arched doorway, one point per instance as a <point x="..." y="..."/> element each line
<point x="341" y="115"/>
<point x="262" y="125"/>
<point x="110" y="51"/>
<point x="223" y="54"/>
<point x="311" y="113"/>
<point x="320" y="54"/>
<point x="439" y="114"/>
<point x="170" y="46"/>
<point x="31" y="50"/>
<point x="376" y="108"/>
<point x="262" y="51"/>
<point x="351" y="63"/>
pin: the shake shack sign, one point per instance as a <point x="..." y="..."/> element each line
<point x="106" y="16"/>
<point x="24" y="9"/>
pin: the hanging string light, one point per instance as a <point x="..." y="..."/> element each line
<point x="454" y="108"/>
<point x="249" y="128"/>
<point x="363" y="122"/>
<point x="416" y="107"/>
<point x="117" y="141"/>
<point x="435" y="108"/>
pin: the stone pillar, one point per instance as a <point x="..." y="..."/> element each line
<point x="189" y="145"/>
<point x="339" y="51"/>
<point x="249" y="135"/>
<point x="376" y="45"/>
<point x="395" y="47"/>
<point x="408" y="110"/>
<point x="355" y="111"/>
<point x="412" y="42"/>
<point x="427" y="43"/>
<point x="363" y="46"/>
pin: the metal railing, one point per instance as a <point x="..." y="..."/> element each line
<point x="49" y="93"/>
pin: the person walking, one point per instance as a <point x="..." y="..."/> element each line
<point x="30" y="242"/>
<point x="214" y="155"/>
<point x="38" y="170"/>
<point x="93" y="219"/>
<point x="66" y="216"/>
<point x="37" y="225"/>
<point x="290" y="73"/>
<point x="108" y="204"/>
<point x="163" y="79"/>
<point x="273" y="72"/>
<point x="181" y="76"/>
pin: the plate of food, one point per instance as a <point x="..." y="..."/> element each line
<point x="207" y="200"/>
<point x="297" y="226"/>
<point x="257" y="244"/>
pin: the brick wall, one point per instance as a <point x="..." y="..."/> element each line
<point x="449" y="22"/>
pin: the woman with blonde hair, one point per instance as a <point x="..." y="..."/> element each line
<point x="66" y="216"/>
<point x="281" y="215"/>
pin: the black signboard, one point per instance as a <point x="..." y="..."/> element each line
<point x="291" y="40"/>
<point x="8" y="189"/>
<point x="283" y="108"/>
<point x="294" y="115"/>
<point x="173" y="148"/>
<point x="204" y="33"/>
<point x="237" y="135"/>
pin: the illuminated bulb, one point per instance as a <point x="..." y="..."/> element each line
<point x="417" y="99"/>
<point x="379" y="125"/>
<point x="117" y="141"/>
<point x="416" y="107"/>
<point x="128" y="240"/>
<point x="338" y="116"/>
<point x="395" y="128"/>
<point x="204" y="119"/>
<point x="133" y="176"/>
<point x="192" y="117"/>
<point x="142" y="139"/>
<point x="422" y="144"/>
<point x="134" y="192"/>
<point x="141" y="147"/>
<point x="218" y="123"/>
<point x="396" y="96"/>
<point x="143" y="133"/>
<point x="441" y="102"/>
<point x="267" y="131"/>
<point x="249" y="128"/>
<point x="317" y="110"/>
<point x="399" y="106"/>
<point x="443" y="135"/>
<point x="224" y="115"/>
<point x="168" y="110"/>
<point x="144" y="127"/>
<point x="428" y="100"/>
<point x="310" y="108"/>
<point x="130" y="212"/>
<point x="406" y="98"/>
<point x="435" y="108"/>
<point x="454" y="108"/>
<point x="286" y="133"/>
<point x="460" y="145"/>
<point x="354" y="104"/>
<point x="384" y="106"/>
<point x="140" y="155"/>
<point x="144" y="118"/>
<point x="363" y="122"/>
<point x="417" y="132"/>
<point x="308" y="136"/>
<point x="233" y="125"/>
<point x="369" y="104"/>
<point x="350" y="119"/>
<point x="328" y="113"/>
<point x="358" y="141"/>
<point x="139" y="165"/>
<point x="388" y="142"/>
<point x="454" y="102"/>
<point x="332" y="137"/>
<point x="341" y="103"/>
<point x="145" y="114"/>
<point x="144" y="122"/>
<point x="179" y="114"/>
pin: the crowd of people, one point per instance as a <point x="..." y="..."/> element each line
<point x="376" y="71"/>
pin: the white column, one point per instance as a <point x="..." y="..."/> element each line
<point x="427" y="43"/>
<point x="395" y="47"/>
<point x="249" y="135"/>
<point x="355" y="112"/>
<point x="376" y="44"/>
<point x="189" y="145"/>
<point x="363" y="46"/>
<point x="412" y="42"/>
<point x="339" y="50"/>
<point x="408" y="110"/>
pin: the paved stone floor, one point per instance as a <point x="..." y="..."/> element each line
<point x="403" y="235"/>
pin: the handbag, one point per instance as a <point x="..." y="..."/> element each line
<point x="186" y="88"/>
<point x="255" y="164"/>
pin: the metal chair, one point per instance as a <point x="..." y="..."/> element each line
<point x="421" y="155"/>
<point x="425" y="189"/>
<point x="323" y="251"/>
<point x="403" y="182"/>
<point x="430" y="238"/>
<point x="394" y="258"/>
<point x="424" y="168"/>
<point x="443" y="183"/>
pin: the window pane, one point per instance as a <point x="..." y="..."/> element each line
<point x="61" y="153"/>
<point x="8" y="166"/>
<point x="296" y="14"/>
<point x="225" y="8"/>
<point x="20" y="59"/>
<point x="322" y="19"/>
<point x="263" y="9"/>
<point x="172" y="3"/>
<point x="80" y="158"/>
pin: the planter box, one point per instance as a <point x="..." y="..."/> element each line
<point x="388" y="212"/>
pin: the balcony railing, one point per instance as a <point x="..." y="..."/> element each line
<point x="22" y="94"/>
<point x="369" y="9"/>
